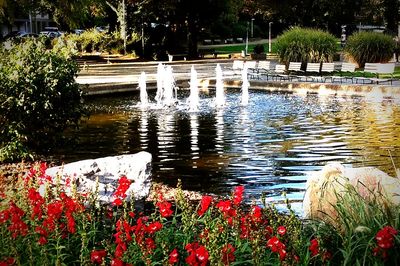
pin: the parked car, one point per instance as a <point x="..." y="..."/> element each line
<point x="51" y="34"/>
<point x="20" y="34"/>
<point x="78" y="31"/>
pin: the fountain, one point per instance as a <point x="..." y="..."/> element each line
<point x="245" y="87"/>
<point x="219" y="88"/>
<point x="193" y="100"/>
<point x="144" y="100"/>
<point x="169" y="88"/>
<point x="268" y="143"/>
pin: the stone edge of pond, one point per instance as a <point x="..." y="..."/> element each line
<point x="368" y="90"/>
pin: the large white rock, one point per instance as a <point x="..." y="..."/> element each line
<point x="324" y="187"/>
<point x="107" y="170"/>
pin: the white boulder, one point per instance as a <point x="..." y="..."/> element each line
<point x="324" y="187"/>
<point x="101" y="175"/>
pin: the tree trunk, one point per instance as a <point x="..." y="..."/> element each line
<point x="192" y="39"/>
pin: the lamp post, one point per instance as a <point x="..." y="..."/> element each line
<point x="269" y="37"/>
<point x="252" y="27"/>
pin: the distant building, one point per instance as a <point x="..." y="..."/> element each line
<point x="32" y="23"/>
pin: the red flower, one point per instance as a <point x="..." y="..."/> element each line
<point x="117" y="262"/>
<point x="277" y="246"/>
<point x="97" y="256"/>
<point x="150" y="244"/>
<point x="55" y="209"/>
<point x="120" y="192"/>
<point x="281" y="230"/>
<point x="228" y="254"/>
<point x="238" y="195"/>
<point x="202" y="255"/>
<point x="314" y="247"/>
<point x="256" y="214"/>
<point x="37" y="201"/>
<point x="165" y="208"/>
<point x="117" y="202"/>
<point x="173" y="257"/>
<point x="198" y="255"/>
<point x="7" y="261"/>
<point x="42" y="240"/>
<point x="154" y="227"/>
<point x="204" y="204"/>
<point x="4" y="216"/>
<point x="385" y="237"/>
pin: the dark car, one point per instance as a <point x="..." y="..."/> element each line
<point x="14" y="34"/>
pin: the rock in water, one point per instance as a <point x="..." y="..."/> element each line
<point x="108" y="170"/>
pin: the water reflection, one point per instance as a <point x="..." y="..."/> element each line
<point x="268" y="146"/>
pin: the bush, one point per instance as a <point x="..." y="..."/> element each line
<point x="371" y="47"/>
<point x="90" y="40"/>
<point x="39" y="97"/>
<point x="305" y="45"/>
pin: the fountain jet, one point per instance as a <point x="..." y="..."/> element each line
<point x="219" y="87"/>
<point x="144" y="100"/>
<point x="193" y="99"/>
<point x="245" y="87"/>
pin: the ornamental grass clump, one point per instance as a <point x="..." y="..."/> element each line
<point x="57" y="225"/>
<point x="305" y="45"/>
<point x="367" y="225"/>
<point x="369" y="47"/>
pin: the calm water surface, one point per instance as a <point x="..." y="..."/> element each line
<point x="267" y="146"/>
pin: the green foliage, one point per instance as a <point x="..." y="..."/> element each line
<point x="90" y="40"/>
<point x="359" y="218"/>
<point x="305" y="45"/>
<point x="39" y="97"/>
<point x="371" y="47"/>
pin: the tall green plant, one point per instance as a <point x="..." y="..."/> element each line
<point x="371" y="47"/>
<point x="39" y="97"/>
<point x="305" y="45"/>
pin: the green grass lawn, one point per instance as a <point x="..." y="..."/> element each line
<point x="241" y="47"/>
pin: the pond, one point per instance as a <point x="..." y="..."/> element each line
<point x="268" y="146"/>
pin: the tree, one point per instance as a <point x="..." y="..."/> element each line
<point x="120" y="11"/>
<point x="185" y="18"/>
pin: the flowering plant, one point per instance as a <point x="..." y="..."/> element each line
<point x="58" y="228"/>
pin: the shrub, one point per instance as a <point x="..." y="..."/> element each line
<point x="305" y="45"/>
<point x="371" y="47"/>
<point x="39" y="97"/>
<point x="90" y="40"/>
